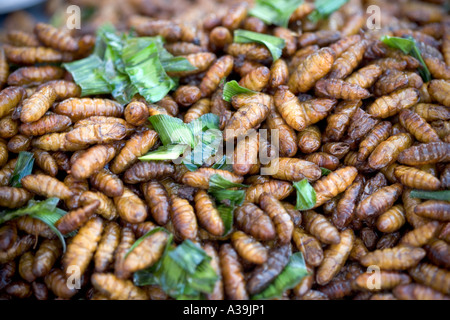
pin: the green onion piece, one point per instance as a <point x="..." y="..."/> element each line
<point x="408" y="46"/>
<point x="183" y="272"/>
<point x="324" y="8"/>
<point x="222" y="164"/>
<point x="306" y="195"/>
<point x="169" y="152"/>
<point x="217" y="182"/>
<point x="275" y="12"/>
<point x="23" y="167"/>
<point x="291" y="275"/>
<point x="226" y="213"/>
<point x="232" y="88"/>
<point x="86" y="74"/>
<point x="171" y="130"/>
<point x="153" y="231"/>
<point x="236" y="197"/>
<point x="274" y="44"/>
<point x="325" y="171"/>
<point x="46" y="211"/>
<point x="443" y="195"/>
<point x="145" y="70"/>
<point x="205" y="148"/>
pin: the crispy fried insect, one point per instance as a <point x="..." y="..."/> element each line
<point x="335" y="257"/>
<point x="232" y="273"/>
<point x="183" y="48"/>
<point x="359" y="250"/>
<point x="264" y="274"/>
<point x="378" y="134"/>
<point x="76" y="218"/>
<point x="388" y="106"/>
<point x="298" y="114"/>
<point x="136" y="113"/>
<point x="379" y="201"/>
<point x="17" y="249"/>
<point x="348" y="60"/>
<point x="221" y="68"/>
<point x="35" y="75"/>
<point x="130" y="207"/>
<point x="397" y="258"/>
<point x="92" y="160"/>
<point x="77" y="186"/>
<point x="321" y="38"/>
<point x="127" y="239"/>
<point x="416" y="291"/>
<point x="437" y="67"/>
<point x="146" y="171"/>
<point x="438" y="251"/>
<point x="434" y="209"/>
<point x="338" y="122"/>
<point x="200" y="178"/>
<point x="410" y="204"/>
<point x="256" y="79"/>
<point x="246" y="153"/>
<point x="365" y="77"/>
<point x="337" y="149"/>
<point x="235" y="15"/>
<point x="19" y="289"/>
<point x="48" y="123"/>
<point x="26" y="266"/>
<point x="421" y="154"/>
<point x="290" y="39"/>
<point x="22" y="39"/>
<point x="82" y="247"/>
<point x="331" y="185"/>
<point x="46" y="256"/>
<point x="339" y="89"/>
<point x="147" y="252"/>
<point x="57" y="283"/>
<point x="54" y="38"/>
<point x="7" y="271"/>
<point x="254" y="24"/>
<point x="8" y="236"/>
<point x="245" y="119"/>
<point x="201" y="61"/>
<point x="295" y="214"/>
<point x="391" y="220"/>
<point x="3" y="153"/>
<point x="32" y="55"/>
<point x="293" y="169"/>
<point x="109" y="241"/>
<point x="418" y="127"/>
<point x="97" y="133"/>
<point x="345" y="209"/>
<point x="309" y="246"/>
<point x="217" y="293"/>
<point x="208" y="216"/>
<point x="389" y="150"/>
<point x="187" y="95"/>
<point x="4" y="68"/>
<point x="64" y="89"/>
<point x="393" y="80"/>
<point x="248" y="248"/>
<point x="40" y="290"/>
<point x="34" y="227"/>
<point x="183" y="218"/>
<point x="441" y="128"/>
<point x="107" y="182"/>
<point x="14" y="197"/>
<point x="201" y="107"/>
<point x="19" y="143"/>
<point x="279" y="74"/>
<point x="115" y="288"/>
<point x="253" y="221"/>
<point x="416" y="179"/>
<point x="313" y="68"/>
<point x="158" y="201"/>
<point x="82" y="108"/>
<point x="324" y="160"/>
<point x="361" y="123"/>
<point x="387" y="279"/>
<point x="309" y="139"/>
<point x="317" y="225"/>
<point x="9" y="99"/>
<point x="287" y="136"/>
<point x="337" y="289"/>
<point x="146" y="26"/>
<point x="421" y="236"/>
<point x="244" y="67"/>
<point x="300" y="56"/>
<point x="438" y="90"/>
<point x="168" y="104"/>
<point x="369" y="237"/>
<point x="46" y="162"/>
<point x="281" y="219"/>
<point x="279" y="189"/>
<point x="432" y="276"/>
<point x="220" y="37"/>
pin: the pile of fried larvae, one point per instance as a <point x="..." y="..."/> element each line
<point x="341" y="99"/>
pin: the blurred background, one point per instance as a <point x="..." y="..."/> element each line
<point x="23" y="14"/>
